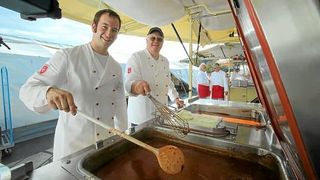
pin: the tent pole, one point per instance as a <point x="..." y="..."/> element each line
<point x="191" y="56"/>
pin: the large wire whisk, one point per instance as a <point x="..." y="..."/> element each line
<point x="172" y="119"/>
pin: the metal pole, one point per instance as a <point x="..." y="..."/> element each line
<point x="190" y="55"/>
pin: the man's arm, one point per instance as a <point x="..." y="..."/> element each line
<point x="34" y="92"/>
<point x="174" y="95"/>
<point x="134" y="84"/>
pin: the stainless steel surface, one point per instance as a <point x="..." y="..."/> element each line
<point x="297" y="57"/>
<point x="243" y="134"/>
<point x="21" y="171"/>
<point x="247" y="140"/>
<point x="230" y="108"/>
<point x="90" y="161"/>
<point x="52" y="171"/>
<point x="292" y="31"/>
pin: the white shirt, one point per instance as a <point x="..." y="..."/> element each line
<point x="97" y="91"/>
<point x="102" y="58"/>
<point x="236" y="76"/>
<point x="219" y="78"/>
<point x="202" y="78"/>
<point x="141" y="66"/>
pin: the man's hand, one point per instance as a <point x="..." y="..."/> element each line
<point x="140" y="88"/>
<point x="179" y="103"/>
<point x="61" y="99"/>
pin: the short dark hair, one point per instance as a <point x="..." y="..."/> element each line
<point x="107" y="11"/>
<point x="216" y="65"/>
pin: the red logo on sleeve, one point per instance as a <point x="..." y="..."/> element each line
<point x="129" y="70"/>
<point x="43" y="69"/>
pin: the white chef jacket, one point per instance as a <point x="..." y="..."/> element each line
<point x="236" y="76"/>
<point x="202" y="78"/>
<point x="142" y="66"/>
<point x="97" y="91"/>
<point x="219" y="78"/>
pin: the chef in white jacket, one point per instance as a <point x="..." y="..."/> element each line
<point x="84" y="78"/>
<point x="148" y="72"/>
<point x="218" y="83"/>
<point x="203" y="82"/>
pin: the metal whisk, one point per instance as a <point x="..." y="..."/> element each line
<point x="173" y="120"/>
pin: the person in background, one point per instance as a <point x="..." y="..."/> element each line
<point x="86" y="78"/>
<point x="236" y="75"/>
<point x="203" y="82"/>
<point x="218" y="83"/>
<point x="248" y="77"/>
<point x="148" y="72"/>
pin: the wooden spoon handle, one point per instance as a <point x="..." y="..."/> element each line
<point x="120" y="133"/>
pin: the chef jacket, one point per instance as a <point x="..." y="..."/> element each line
<point x="142" y="66"/>
<point x="219" y="79"/>
<point x="97" y="91"/>
<point x="202" y="78"/>
<point x="236" y="76"/>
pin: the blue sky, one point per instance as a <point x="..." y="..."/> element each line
<point x="68" y="32"/>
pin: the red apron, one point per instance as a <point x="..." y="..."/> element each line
<point x="217" y="92"/>
<point x="203" y="91"/>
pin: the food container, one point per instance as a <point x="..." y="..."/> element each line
<point x="206" y="157"/>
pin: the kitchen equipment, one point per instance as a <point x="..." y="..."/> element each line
<point x="170" y="158"/>
<point x="207" y="158"/>
<point x="247" y="152"/>
<point x="176" y="122"/>
<point x="290" y="95"/>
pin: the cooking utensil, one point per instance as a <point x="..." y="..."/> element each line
<point x="175" y="122"/>
<point x="170" y="158"/>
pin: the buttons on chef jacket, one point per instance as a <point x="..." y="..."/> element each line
<point x="97" y="104"/>
<point x="157" y="85"/>
<point x="94" y="71"/>
<point x="112" y="103"/>
<point x="113" y="90"/>
<point x="98" y="134"/>
<point x="98" y="118"/>
<point x="114" y="75"/>
<point x="96" y="88"/>
<point x="151" y="65"/>
<point x="157" y="95"/>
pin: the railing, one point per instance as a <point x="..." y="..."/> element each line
<point x="7" y="132"/>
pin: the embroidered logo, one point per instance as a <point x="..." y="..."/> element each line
<point x="129" y="70"/>
<point x="44" y="69"/>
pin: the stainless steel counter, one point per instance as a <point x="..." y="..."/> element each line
<point x="246" y="140"/>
